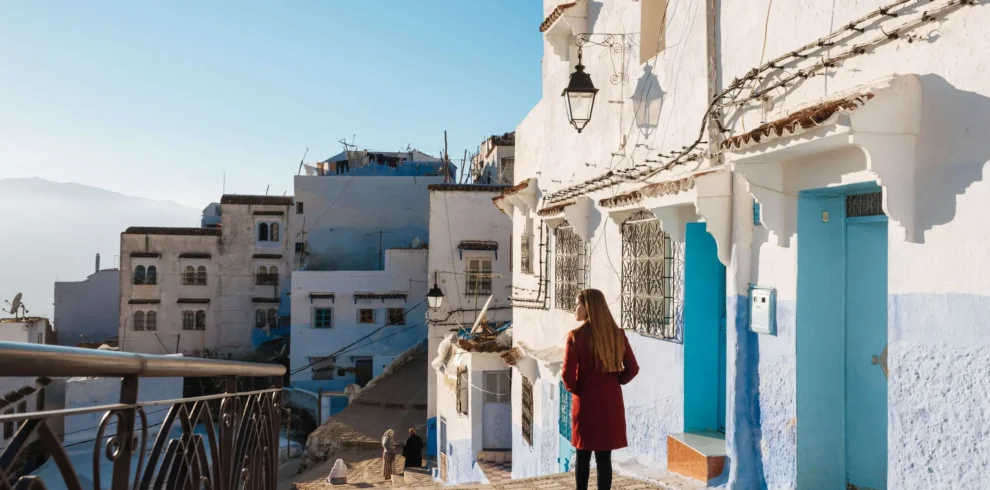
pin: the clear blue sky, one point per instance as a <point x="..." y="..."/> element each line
<point x="160" y="99"/>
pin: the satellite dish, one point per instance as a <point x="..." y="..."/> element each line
<point x="14" y="305"/>
<point x="415" y="243"/>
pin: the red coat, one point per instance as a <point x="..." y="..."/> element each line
<point x="598" y="415"/>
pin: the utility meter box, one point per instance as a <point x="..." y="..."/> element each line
<point x="763" y="310"/>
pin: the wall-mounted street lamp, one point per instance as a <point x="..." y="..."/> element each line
<point x="435" y="296"/>
<point x="580" y="93"/>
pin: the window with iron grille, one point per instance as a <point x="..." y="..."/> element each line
<point x="527" y="411"/>
<point x="200" y="320"/>
<point x="652" y="279"/>
<point x="526" y="253"/>
<point x="396" y="316"/>
<point x="569" y="266"/>
<point x="188" y="320"/>
<point x="322" y="317"/>
<point x="498" y="386"/>
<point x="151" y="320"/>
<point x="194" y="276"/>
<point x="266" y="276"/>
<point x="462" y="392"/>
<point x="366" y="316"/>
<point x="859" y="205"/>
<point x="138" y="320"/>
<point x="322" y="367"/>
<point x="479" y="277"/>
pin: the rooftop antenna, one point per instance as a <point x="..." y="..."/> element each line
<point x="301" y="160"/>
<point x="266" y="188"/>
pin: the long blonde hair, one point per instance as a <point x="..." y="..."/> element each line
<point x="608" y="344"/>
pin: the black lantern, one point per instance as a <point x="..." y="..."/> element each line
<point x="435" y="296"/>
<point x="580" y="93"/>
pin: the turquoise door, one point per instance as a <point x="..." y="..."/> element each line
<point x="721" y="364"/>
<point x="866" y="343"/>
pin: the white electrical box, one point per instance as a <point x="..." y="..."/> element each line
<point x="763" y="310"/>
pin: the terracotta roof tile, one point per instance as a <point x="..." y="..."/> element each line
<point x="145" y="255"/>
<point x="478" y="245"/>
<point x="554" y="210"/>
<point x="467" y="187"/>
<point x="803" y="119"/>
<point x="256" y="200"/>
<point x="266" y="300"/>
<point x="151" y="230"/>
<point x="268" y="256"/>
<point x="195" y="255"/>
<point x="621" y="199"/>
<point x="554" y="15"/>
<point x="144" y="301"/>
<point x="269" y="213"/>
<point x="193" y="301"/>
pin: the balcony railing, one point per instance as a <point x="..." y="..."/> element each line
<point x="266" y="279"/>
<point x="224" y="441"/>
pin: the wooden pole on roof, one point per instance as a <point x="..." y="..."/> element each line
<point x="446" y="159"/>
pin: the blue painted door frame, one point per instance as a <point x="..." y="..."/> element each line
<point x="841" y="323"/>
<point x="704" y="332"/>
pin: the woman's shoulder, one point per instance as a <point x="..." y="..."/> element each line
<point x="578" y="332"/>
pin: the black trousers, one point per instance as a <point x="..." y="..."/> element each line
<point x="583" y="469"/>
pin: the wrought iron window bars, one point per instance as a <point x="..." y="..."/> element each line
<point x="652" y="279"/>
<point x="570" y="274"/>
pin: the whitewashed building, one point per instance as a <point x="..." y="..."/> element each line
<point x="209" y="290"/>
<point x="470" y="260"/>
<point x="348" y="326"/>
<point x="23" y="394"/>
<point x="87" y="312"/>
<point x="495" y="160"/>
<point x="737" y="198"/>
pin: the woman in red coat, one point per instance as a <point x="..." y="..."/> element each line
<point x="597" y="362"/>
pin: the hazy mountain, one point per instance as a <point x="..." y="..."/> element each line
<point x="52" y="230"/>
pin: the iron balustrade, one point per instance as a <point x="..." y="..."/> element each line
<point x="216" y="442"/>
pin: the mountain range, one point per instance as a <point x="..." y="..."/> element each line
<point x="52" y="231"/>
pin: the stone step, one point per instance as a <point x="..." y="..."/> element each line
<point x="700" y="456"/>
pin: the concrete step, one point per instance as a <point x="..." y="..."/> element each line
<point x="700" y="456"/>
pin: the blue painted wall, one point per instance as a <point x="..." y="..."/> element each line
<point x="704" y="281"/>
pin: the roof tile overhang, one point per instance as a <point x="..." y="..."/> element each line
<point x="555" y="14"/>
<point x="478" y="245"/>
<point x="579" y="213"/>
<point x="256" y="200"/>
<point x="564" y="24"/>
<point x="523" y="196"/>
<point x="881" y="119"/>
<point x="704" y="195"/>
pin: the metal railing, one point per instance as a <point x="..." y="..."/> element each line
<point x="224" y="441"/>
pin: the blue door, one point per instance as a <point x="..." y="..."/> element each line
<point x="721" y="362"/>
<point x="865" y="359"/>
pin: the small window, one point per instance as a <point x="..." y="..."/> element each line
<point x="189" y="276"/>
<point x="138" y="320"/>
<point x="152" y="277"/>
<point x="262" y="271"/>
<point x="260" y="318"/>
<point x="527" y="411"/>
<point x="462" y="392"/>
<point x="396" y="316"/>
<point x="322" y="367"/>
<point x="273" y="271"/>
<point x="201" y="275"/>
<point x="263" y="232"/>
<point x="479" y="277"/>
<point x="200" y="320"/>
<point x="151" y="320"/>
<point x="366" y="316"/>
<point x="8" y="427"/>
<point x="497" y="387"/>
<point x="299" y="207"/>
<point x="322" y="317"/>
<point x="188" y="320"/>
<point x="273" y="232"/>
<point x="300" y="247"/>
<point x="272" y="317"/>
<point x="139" y="275"/>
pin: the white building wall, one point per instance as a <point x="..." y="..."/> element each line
<point x="937" y="287"/>
<point x="88" y="310"/>
<point x="549" y="150"/>
<point x="457" y="213"/>
<point x="405" y="272"/>
<point x="31" y="331"/>
<point x="91" y="392"/>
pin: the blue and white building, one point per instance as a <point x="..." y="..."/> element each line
<point x="789" y="229"/>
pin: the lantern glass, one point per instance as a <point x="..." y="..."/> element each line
<point x="435" y="297"/>
<point x="580" y="94"/>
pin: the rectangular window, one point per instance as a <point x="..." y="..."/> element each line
<point x="300" y="246"/>
<point x="396" y="316"/>
<point x="8" y="427"/>
<point x="366" y="315"/>
<point x="652" y="279"/>
<point x="498" y="386"/>
<point x="322" y="367"/>
<point x="322" y="317"/>
<point x="479" y="277"/>
<point x="525" y="253"/>
<point x="527" y="411"/>
<point x="188" y="320"/>
<point x="462" y="392"/>
<point x="569" y="267"/>
<point x="653" y="23"/>
<point x="299" y="207"/>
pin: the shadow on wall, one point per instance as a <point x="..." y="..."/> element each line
<point x="952" y="149"/>
<point x="648" y="101"/>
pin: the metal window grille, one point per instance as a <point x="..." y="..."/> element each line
<point x="152" y="277"/>
<point x="859" y="205"/>
<point x="569" y="266"/>
<point x="527" y="411"/>
<point x="479" y="277"/>
<point x="188" y="320"/>
<point x="564" y="420"/>
<point x="322" y="367"/>
<point x="138" y="320"/>
<point x="366" y="316"/>
<point x="139" y="275"/>
<point x="498" y="386"/>
<point x="200" y="320"/>
<point x="526" y="253"/>
<point x="151" y="320"/>
<point x="652" y="279"/>
<point x="260" y="318"/>
<point x="322" y="317"/>
<point x="396" y="316"/>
